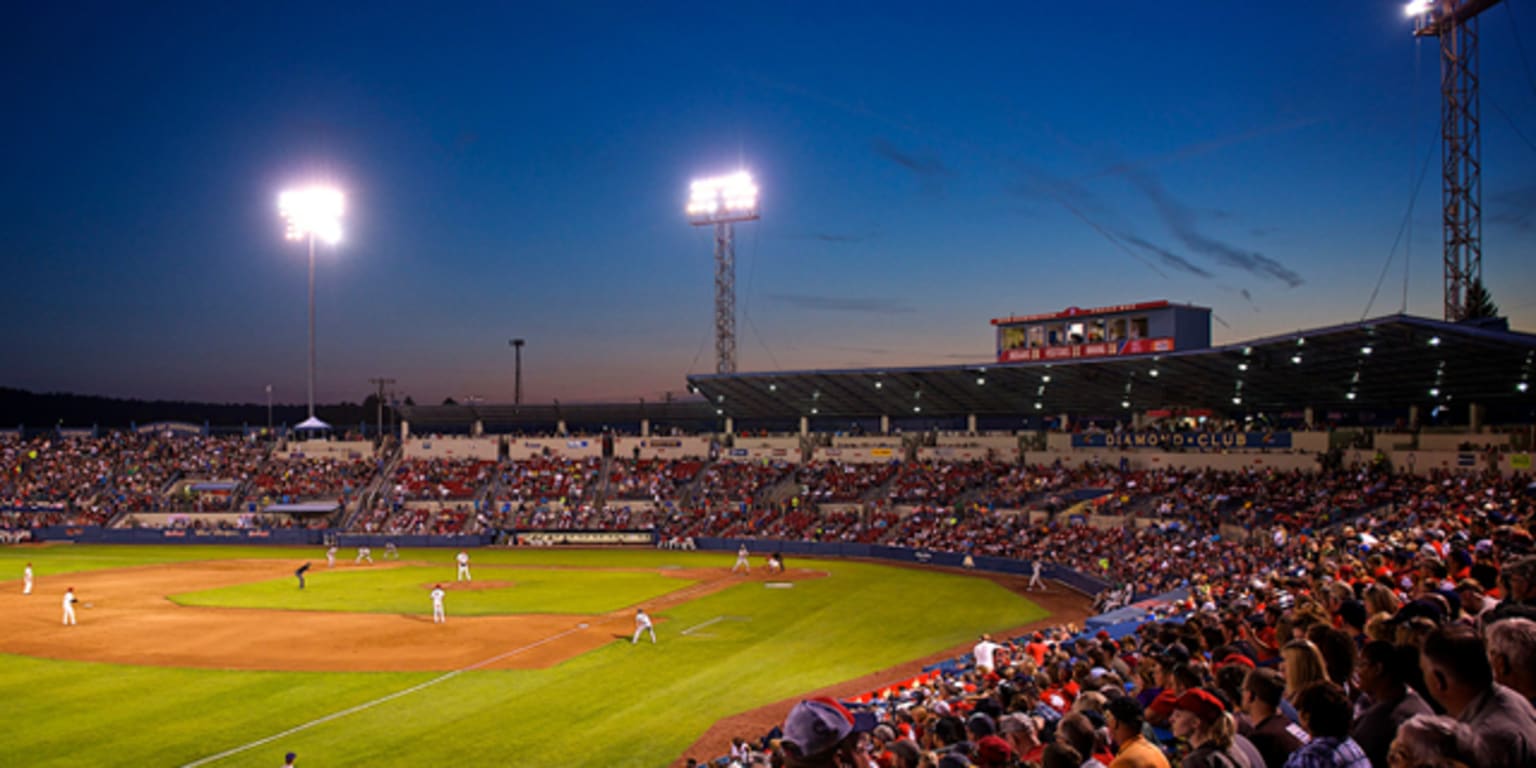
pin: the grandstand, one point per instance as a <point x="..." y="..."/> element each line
<point x="1211" y="501"/>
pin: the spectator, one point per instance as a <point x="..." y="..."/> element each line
<point x="1325" y="713"/>
<point x="1124" y="718"/>
<point x="1432" y="741"/>
<point x="1198" y="718"/>
<point x="821" y="733"/>
<point x="1385" y="670"/>
<point x="1456" y="670"/>
<point x="1303" y="665"/>
<point x="1519" y="580"/>
<point x="1512" y="654"/>
<point x="1273" y="733"/>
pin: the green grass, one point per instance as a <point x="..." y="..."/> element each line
<point x="620" y="705"/>
<point x="405" y="589"/>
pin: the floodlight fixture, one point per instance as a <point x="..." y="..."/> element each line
<point x="1418" y="7"/>
<point x="723" y="198"/>
<point x="313" y="212"/>
<point x="720" y="202"/>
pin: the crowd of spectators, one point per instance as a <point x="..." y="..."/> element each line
<point x="441" y="479"/>
<point x="1405" y="638"/>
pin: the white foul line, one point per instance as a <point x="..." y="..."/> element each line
<point x="369" y="704"/>
<point x="690" y="630"/>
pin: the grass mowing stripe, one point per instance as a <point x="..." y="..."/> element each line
<point x="381" y="700"/>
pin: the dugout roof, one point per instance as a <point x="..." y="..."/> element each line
<point x="1385" y="363"/>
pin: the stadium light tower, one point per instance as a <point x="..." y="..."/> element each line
<point x="310" y="213"/>
<point x="722" y="201"/>
<point x="1461" y="161"/>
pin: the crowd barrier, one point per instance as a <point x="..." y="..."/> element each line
<point x="1074" y="579"/>
<point x="95" y="534"/>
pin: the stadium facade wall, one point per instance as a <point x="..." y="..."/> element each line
<point x="869" y="455"/>
<point x="328" y="449"/>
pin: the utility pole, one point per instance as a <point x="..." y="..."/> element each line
<point x="381" y="383"/>
<point x="517" y="391"/>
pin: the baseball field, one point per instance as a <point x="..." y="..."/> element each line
<point x="189" y="655"/>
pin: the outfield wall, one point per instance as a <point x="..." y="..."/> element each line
<point x="1078" y="581"/>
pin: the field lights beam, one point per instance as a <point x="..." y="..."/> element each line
<point x="723" y="198"/>
<point x="314" y="211"/>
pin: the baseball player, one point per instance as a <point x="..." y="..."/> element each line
<point x="290" y="760"/>
<point x="776" y="563"/>
<point x="390" y="552"/>
<point x="26" y="580"/>
<point x="364" y="553"/>
<point x="69" y="607"/>
<point x="642" y="624"/>
<point x="438" y="617"/>
<point x="741" y="561"/>
<point x="330" y="557"/>
<point x="303" y="569"/>
<point x="463" y="560"/>
<point x="1034" y="577"/>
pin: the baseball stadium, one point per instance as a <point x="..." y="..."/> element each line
<point x="1172" y="486"/>
<point x="1120" y="536"/>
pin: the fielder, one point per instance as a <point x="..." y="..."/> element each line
<point x="463" y="560"/>
<point x="69" y="607"/>
<point x="1034" y="578"/>
<point x="642" y="624"/>
<point x="303" y="569"/>
<point x="390" y="552"/>
<point x="330" y="557"/>
<point x="364" y="553"/>
<point x="776" y="563"/>
<point x="741" y="561"/>
<point x="26" y="580"/>
<point x="438" y="616"/>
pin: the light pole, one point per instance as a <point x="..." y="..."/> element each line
<point x="517" y="351"/>
<point x="269" y="411"/>
<point x="310" y="213"/>
<point x="720" y="202"/>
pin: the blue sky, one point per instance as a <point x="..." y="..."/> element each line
<point x="521" y="171"/>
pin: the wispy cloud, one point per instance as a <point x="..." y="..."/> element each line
<point x="1181" y="220"/>
<point x="1168" y="257"/>
<point x="1515" y="208"/>
<point x="873" y="306"/>
<point x="930" y="170"/>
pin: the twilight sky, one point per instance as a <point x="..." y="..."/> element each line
<point x="522" y="170"/>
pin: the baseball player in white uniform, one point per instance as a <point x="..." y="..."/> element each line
<point x="364" y="553"/>
<point x="741" y="561"/>
<point x="463" y="560"/>
<point x="642" y="624"/>
<point x="1034" y="577"/>
<point x="438" y="617"/>
<point x="26" y="580"/>
<point x="69" y="607"/>
<point x="330" y="557"/>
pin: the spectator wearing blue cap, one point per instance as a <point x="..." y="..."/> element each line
<point x="822" y="733"/>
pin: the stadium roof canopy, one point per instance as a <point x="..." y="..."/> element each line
<point x="1389" y="362"/>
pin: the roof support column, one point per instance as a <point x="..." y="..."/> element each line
<point x="560" y="428"/>
<point x="970" y="423"/>
<point x="885" y="424"/>
<point x="645" y="427"/>
<point x="1477" y="413"/>
<point x="405" y="430"/>
<point x="805" y="426"/>
<point x="1309" y="416"/>
<point x="477" y="429"/>
<point x="1413" y="417"/>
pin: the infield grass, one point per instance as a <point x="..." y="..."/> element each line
<point x="620" y="705"/>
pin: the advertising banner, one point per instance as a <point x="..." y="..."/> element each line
<point x="1198" y="440"/>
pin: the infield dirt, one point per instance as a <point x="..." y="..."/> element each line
<point x="131" y="620"/>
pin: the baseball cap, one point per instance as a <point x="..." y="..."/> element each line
<point x="1201" y="704"/>
<point x="816" y="726"/>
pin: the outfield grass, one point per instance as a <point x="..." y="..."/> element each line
<point x="404" y="590"/>
<point x="620" y="705"/>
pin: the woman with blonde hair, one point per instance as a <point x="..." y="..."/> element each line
<point x="1200" y="719"/>
<point x="1380" y="599"/>
<point x="1302" y="664"/>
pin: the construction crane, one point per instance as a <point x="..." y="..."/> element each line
<point x="1461" y="195"/>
